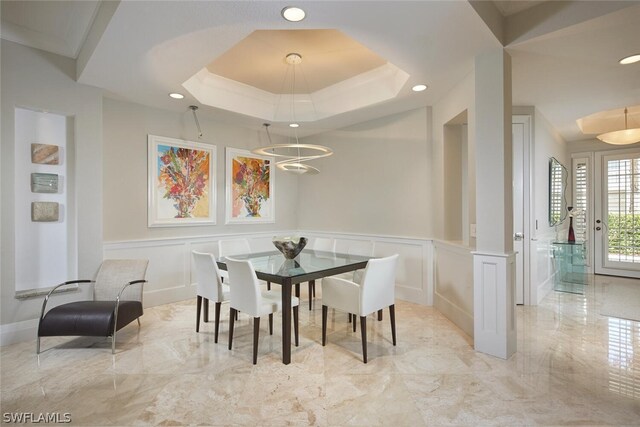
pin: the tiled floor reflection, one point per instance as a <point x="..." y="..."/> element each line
<point x="573" y="367"/>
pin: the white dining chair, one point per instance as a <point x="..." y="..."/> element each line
<point x="209" y="287"/>
<point x="360" y="248"/>
<point x="375" y="292"/>
<point x="319" y="244"/>
<point x="230" y="247"/>
<point x="247" y="297"/>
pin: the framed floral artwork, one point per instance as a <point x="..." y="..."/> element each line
<point x="181" y="182"/>
<point x="250" y="196"/>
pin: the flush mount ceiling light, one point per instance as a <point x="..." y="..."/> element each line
<point x="293" y="14"/>
<point x="630" y="59"/>
<point x="419" y="88"/>
<point x="176" y="95"/>
<point x="293" y="157"/>
<point x="622" y="137"/>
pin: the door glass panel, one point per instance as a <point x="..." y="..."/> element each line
<point x="623" y="210"/>
<point x="580" y="199"/>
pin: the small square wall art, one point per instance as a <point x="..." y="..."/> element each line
<point x="45" y="154"/>
<point x="44" y="183"/>
<point x="45" y="211"/>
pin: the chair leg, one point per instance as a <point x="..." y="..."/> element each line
<point x="354" y="322"/>
<point x="256" y="334"/>
<point x="312" y="286"/>
<point x="295" y="325"/>
<point x="236" y="314"/>
<point x="217" y="320"/>
<point x="392" y="316"/>
<point x="349" y="317"/>
<point x="206" y="310"/>
<point x="379" y="315"/>
<point x="363" y="327"/>
<point x="270" y="323"/>
<point x="38" y="346"/>
<point x="268" y="286"/>
<point x="198" y="304"/>
<point x="139" y="324"/>
<point x="232" y="316"/>
<point x="324" y="324"/>
<point x="113" y="342"/>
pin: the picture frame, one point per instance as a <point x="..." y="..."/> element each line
<point x="176" y="199"/>
<point x="250" y="196"/>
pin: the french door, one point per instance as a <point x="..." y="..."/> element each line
<point x="617" y="213"/>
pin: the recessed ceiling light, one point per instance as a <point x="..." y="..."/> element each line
<point x="176" y="95"/>
<point x="294" y="125"/>
<point x="419" y="88"/>
<point x="630" y="59"/>
<point x="293" y="14"/>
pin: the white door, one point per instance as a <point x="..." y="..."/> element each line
<point x="520" y="131"/>
<point x="617" y="214"/>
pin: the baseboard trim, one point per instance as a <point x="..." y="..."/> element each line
<point x="16" y="332"/>
<point x="452" y="311"/>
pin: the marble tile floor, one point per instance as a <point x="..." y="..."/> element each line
<point x="573" y="367"/>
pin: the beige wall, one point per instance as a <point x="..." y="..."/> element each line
<point x="126" y="126"/>
<point x="458" y="100"/>
<point x="377" y="182"/>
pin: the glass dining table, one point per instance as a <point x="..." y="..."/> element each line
<point x="308" y="265"/>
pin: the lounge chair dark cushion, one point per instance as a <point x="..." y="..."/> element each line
<point x="88" y="318"/>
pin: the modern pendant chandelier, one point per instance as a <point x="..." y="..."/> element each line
<point x="292" y="157"/>
<point x="622" y="137"/>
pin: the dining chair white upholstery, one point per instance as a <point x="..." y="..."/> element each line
<point x="319" y="244"/>
<point x="247" y="297"/>
<point x="209" y="287"/>
<point x="361" y="248"/>
<point x="230" y="247"/>
<point x="375" y="292"/>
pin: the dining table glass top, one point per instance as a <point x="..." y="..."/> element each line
<point x="308" y="261"/>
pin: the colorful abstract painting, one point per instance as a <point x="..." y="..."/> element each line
<point x="181" y="182"/>
<point x="249" y="187"/>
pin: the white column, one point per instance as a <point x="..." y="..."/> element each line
<point x="494" y="280"/>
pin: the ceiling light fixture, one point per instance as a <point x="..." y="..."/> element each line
<point x="292" y="157"/>
<point x="622" y="137"/>
<point x="419" y="88"/>
<point x="176" y="95"/>
<point x="293" y="14"/>
<point x="630" y="59"/>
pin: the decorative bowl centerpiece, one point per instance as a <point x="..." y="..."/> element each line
<point x="290" y="246"/>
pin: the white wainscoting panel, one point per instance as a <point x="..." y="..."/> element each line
<point x="169" y="275"/>
<point x="494" y="304"/>
<point x="453" y="292"/>
<point x="414" y="277"/>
